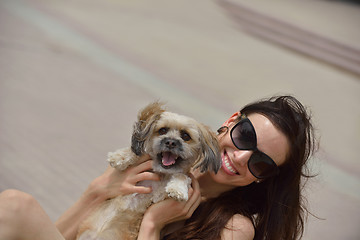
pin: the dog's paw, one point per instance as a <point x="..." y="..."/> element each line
<point x="178" y="187"/>
<point x="177" y="194"/>
<point x="120" y="159"/>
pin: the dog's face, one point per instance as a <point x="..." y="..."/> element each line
<point x="175" y="142"/>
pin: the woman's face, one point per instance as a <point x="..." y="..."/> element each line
<point x="270" y="140"/>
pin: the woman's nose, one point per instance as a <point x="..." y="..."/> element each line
<point x="242" y="156"/>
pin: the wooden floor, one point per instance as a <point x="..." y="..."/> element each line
<point x="73" y="75"/>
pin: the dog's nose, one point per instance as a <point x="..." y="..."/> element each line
<point x="170" y="143"/>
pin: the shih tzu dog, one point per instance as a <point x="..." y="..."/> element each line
<point x="176" y="144"/>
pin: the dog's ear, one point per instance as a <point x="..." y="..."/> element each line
<point x="210" y="158"/>
<point x="144" y="126"/>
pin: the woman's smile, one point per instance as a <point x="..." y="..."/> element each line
<point x="227" y="165"/>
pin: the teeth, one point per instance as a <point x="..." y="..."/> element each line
<point x="228" y="166"/>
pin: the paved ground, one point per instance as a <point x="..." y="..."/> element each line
<point x="73" y="75"/>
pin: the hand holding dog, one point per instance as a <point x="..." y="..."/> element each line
<point x="110" y="184"/>
<point x="113" y="183"/>
<point x="175" y="144"/>
<point x="169" y="211"/>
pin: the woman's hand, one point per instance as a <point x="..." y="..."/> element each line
<point x="109" y="185"/>
<point x="168" y="211"/>
<point x="113" y="182"/>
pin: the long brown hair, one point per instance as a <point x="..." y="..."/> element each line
<point x="275" y="205"/>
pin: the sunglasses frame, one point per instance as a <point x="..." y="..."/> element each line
<point x="255" y="150"/>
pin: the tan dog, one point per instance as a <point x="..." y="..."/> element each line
<point x="176" y="144"/>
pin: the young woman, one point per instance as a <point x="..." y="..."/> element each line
<point x="255" y="195"/>
<point x="257" y="192"/>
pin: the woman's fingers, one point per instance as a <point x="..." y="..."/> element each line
<point x="140" y="189"/>
<point x="142" y="177"/>
<point x="142" y="172"/>
<point x="146" y="176"/>
<point x="184" y="210"/>
<point x="144" y="166"/>
<point x="144" y="158"/>
<point x="194" y="191"/>
<point x="138" y="173"/>
<point x="194" y="206"/>
<point x="194" y="197"/>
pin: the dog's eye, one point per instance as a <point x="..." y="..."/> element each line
<point x="185" y="136"/>
<point x="163" y="130"/>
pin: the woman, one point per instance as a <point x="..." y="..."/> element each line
<point x="255" y="195"/>
<point x="264" y="148"/>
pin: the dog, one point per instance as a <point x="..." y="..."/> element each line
<point x="176" y="144"/>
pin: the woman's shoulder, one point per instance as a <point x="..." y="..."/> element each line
<point x="238" y="227"/>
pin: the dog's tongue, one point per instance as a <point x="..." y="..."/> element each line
<point x="168" y="158"/>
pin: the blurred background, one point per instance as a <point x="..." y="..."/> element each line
<point x="73" y="75"/>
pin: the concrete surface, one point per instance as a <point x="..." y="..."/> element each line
<point x="73" y="75"/>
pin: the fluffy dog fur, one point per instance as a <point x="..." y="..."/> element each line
<point x="176" y="144"/>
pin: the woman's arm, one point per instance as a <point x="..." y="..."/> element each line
<point x="109" y="185"/>
<point x="238" y="227"/>
<point x="70" y="221"/>
<point x="168" y="211"/>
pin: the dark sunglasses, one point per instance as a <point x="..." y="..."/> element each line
<point x="243" y="136"/>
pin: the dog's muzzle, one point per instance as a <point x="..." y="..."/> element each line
<point x="169" y="157"/>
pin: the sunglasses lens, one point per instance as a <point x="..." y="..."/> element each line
<point x="243" y="135"/>
<point x="261" y="165"/>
